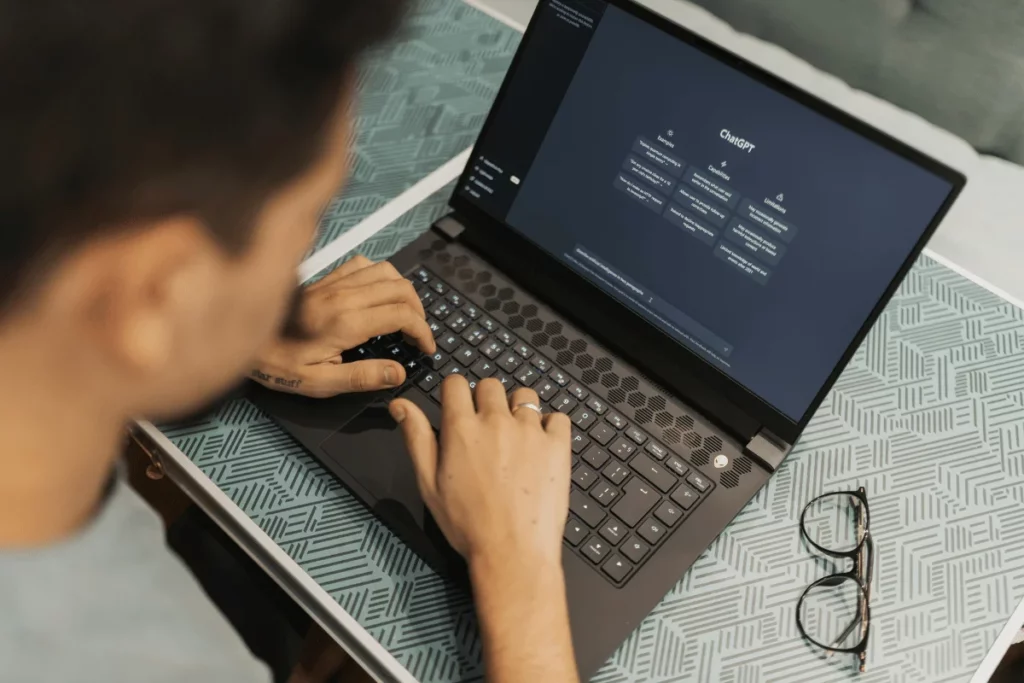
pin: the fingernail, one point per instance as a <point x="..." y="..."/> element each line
<point x="391" y="376"/>
<point x="397" y="412"/>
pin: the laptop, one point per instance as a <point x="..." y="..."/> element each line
<point x="671" y="246"/>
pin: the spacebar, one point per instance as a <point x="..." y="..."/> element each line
<point x="426" y="404"/>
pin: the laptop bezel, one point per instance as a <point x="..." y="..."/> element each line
<point x="664" y="359"/>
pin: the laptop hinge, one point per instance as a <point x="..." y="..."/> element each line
<point x="768" y="449"/>
<point x="450" y="227"/>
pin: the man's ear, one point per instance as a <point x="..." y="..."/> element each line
<point x="136" y="290"/>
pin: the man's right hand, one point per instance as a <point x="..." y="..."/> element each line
<point x="498" y="486"/>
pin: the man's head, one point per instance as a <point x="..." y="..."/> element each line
<point x="164" y="164"/>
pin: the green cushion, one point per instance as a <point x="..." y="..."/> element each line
<point x="957" y="63"/>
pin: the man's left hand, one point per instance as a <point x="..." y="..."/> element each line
<point x="357" y="302"/>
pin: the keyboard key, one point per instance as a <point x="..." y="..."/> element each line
<point x="564" y="403"/>
<point x="602" y="433"/>
<point x="578" y="391"/>
<point x="622" y="449"/>
<point x="560" y="378"/>
<point x="396" y="352"/>
<point x="676" y="465"/>
<point x="413" y="368"/>
<point x="422" y="275"/>
<point x="426" y="298"/>
<point x="436" y="393"/>
<point x="595" y="549"/>
<point x="616" y="420"/>
<point x="505" y="337"/>
<point x="474" y="335"/>
<point x="509" y="362"/>
<point x="472" y="311"/>
<point x="436" y="328"/>
<point x="584" y="507"/>
<point x="441" y="310"/>
<point x="574" y="532"/>
<point x="579" y="441"/>
<point x="597" y="457"/>
<point x="484" y="368"/>
<point x="466" y="356"/>
<point x="488" y="324"/>
<point x="614" y="532"/>
<point x="527" y="376"/>
<point x="635" y="549"/>
<point x="652" y="530"/>
<point x="617" y="568"/>
<point x="455" y="299"/>
<point x="523" y="350"/>
<point x="669" y="513"/>
<point x="604" y="494"/>
<point x="635" y="434"/>
<point x="597" y="405"/>
<point x="546" y="390"/>
<point x="616" y="473"/>
<point x="656" y="450"/>
<point x="439" y="287"/>
<point x="506" y="381"/>
<point x="457" y="322"/>
<point x="473" y="381"/>
<point x="584" y="477"/>
<point x="453" y="369"/>
<point x="429" y="381"/>
<point x="357" y="354"/>
<point x="583" y="418"/>
<point x="492" y="349"/>
<point x="449" y="341"/>
<point x="637" y="501"/>
<point x="653" y="472"/>
<point x="685" y="496"/>
<point x="438" y="360"/>
<point x="541" y="363"/>
<point x="698" y="481"/>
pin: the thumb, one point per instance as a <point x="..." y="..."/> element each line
<point x="420" y="442"/>
<point x="363" y="375"/>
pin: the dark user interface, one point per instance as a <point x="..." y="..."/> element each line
<point x="755" y="231"/>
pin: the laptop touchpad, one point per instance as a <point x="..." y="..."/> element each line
<point x="370" y="448"/>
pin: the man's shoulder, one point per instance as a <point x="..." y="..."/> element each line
<point x="113" y="603"/>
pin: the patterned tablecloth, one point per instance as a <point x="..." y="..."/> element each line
<point x="929" y="417"/>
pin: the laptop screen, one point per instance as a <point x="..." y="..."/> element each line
<point x="753" y="230"/>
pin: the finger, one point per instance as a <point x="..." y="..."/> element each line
<point x="420" y="442"/>
<point x="364" y="375"/>
<point x="377" y="272"/>
<point x="490" y="397"/>
<point x="382" y="294"/>
<point x="379" y="320"/>
<point x="558" y="426"/>
<point x="353" y="265"/>
<point x="521" y="396"/>
<point x="456" y="399"/>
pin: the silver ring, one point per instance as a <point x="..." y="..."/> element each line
<point x="532" y="406"/>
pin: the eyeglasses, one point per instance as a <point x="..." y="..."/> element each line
<point x="834" y="613"/>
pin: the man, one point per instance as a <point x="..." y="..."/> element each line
<point x="164" y="166"/>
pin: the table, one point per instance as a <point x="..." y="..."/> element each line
<point x="929" y="417"/>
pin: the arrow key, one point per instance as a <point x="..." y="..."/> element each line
<point x="617" y="567"/>
<point x="595" y="549"/>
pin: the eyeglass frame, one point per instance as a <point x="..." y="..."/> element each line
<point x="862" y="556"/>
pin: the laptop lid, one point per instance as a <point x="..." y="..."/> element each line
<point x="735" y="233"/>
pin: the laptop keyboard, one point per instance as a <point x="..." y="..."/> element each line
<point x="629" y="492"/>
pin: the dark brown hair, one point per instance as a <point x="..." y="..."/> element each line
<point x="116" y="111"/>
